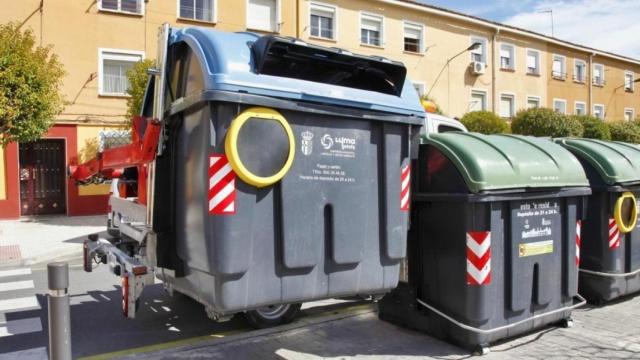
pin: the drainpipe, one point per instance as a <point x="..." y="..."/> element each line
<point x="590" y="80"/>
<point x="298" y="19"/>
<point x="494" y="88"/>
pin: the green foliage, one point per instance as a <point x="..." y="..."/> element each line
<point x="138" y="78"/>
<point x="545" y="122"/>
<point x="30" y="78"/>
<point x="485" y="122"/>
<point x="627" y="131"/>
<point x="594" y="128"/>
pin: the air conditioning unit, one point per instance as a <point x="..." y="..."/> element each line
<point x="477" y="68"/>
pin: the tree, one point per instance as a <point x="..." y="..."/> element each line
<point x="30" y="79"/>
<point x="138" y="78"/>
<point x="594" y="128"/>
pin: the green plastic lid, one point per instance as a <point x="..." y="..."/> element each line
<point x="616" y="162"/>
<point x="497" y="162"/>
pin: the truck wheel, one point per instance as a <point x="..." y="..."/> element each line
<point x="273" y="315"/>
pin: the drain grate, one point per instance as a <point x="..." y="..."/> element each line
<point x="10" y="253"/>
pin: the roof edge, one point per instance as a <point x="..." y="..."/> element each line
<point x="507" y="28"/>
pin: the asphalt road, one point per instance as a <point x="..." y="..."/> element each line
<point x="97" y="324"/>
<point x="96" y="320"/>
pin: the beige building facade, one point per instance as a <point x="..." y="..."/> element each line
<point x="508" y="69"/>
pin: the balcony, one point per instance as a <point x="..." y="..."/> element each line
<point x="598" y="81"/>
<point x="579" y="79"/>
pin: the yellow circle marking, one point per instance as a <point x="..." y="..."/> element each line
<point x="231" y="146"/>
<point x="617" y="213"/>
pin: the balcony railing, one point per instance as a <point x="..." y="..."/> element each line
<point x="579" y="78"/>
<point x="559" y="75"/>
<point x="598" y="81"/>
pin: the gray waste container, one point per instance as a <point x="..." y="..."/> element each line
<point x="492" y="246"/>
<point x="282" y="177"/>
<point x="610" y="239"/>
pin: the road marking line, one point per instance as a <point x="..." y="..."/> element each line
<point x="19" y="304"/>
<point x="15" y="272"/>
<point x="22" y="326"/>
<point x="16" y="285"/>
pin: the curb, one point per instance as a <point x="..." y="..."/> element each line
<point x="169" y="350"/>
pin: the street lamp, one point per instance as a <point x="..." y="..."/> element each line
<point x="473" y="46"/>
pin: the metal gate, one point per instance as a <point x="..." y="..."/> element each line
<point x="42" y="177"/>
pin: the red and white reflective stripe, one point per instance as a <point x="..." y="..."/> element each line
<point x="222" y="186"/>
<point x="479" y="258"/>
<point x="405" y="179"/>
<point x="614" y="234"/>
<point x="578" y="241"/>
<point x="125" y="295"/>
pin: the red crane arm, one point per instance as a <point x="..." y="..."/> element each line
<point x="109" y="163"/>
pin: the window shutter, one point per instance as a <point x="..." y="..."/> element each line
<point x="557" y="66"/>
<point x="505" y="106"/>
<point x="370" y="23"/>
<point x="262" y="15"/>
<point x="505" y="53"/>
<point x="412" y="33"/>
<point x="532" y="61"/>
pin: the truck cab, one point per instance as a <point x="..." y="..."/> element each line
<point x="435" y="123"/>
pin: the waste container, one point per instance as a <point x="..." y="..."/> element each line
<point x="610" y="251"/>
<point x="492" y="242"/>
<point x="284" y="174"/>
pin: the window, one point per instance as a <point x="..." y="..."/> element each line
<point x="533" y="62"/>
<point x="371" y="29"/>
<point x="479" y="54"/>
<point x="507" y="57"/>
<point x="413" y="37"/>
<point x="507" y="105"/>
<point x="533" y="102"/>
<point x="124" y="6"/>
<point x="113" y="66"/>
<point x="598" y="111"/>
<point x="323" y="21"/>
<point x="201" y="10"/>
<point x="419" y="88"/>
<point x="478" y="100"/>
<point x="598" y="74"/>
<point x="447" y="128"/>
<point x="628" y="81"/>
<point x="579" y="71"/>
<point x="560" y="106"/>
<point x="263" y="15"/>
<point x="558" y="70"/>
<point x="580" y="108"/>
<point x="629" y="114"/>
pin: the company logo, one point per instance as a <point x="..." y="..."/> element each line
<point x="307" y="142"/>
<point x="345" y="143"/>
<point x="326" y="141"/>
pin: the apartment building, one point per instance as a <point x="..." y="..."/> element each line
<point x="462" y="62"/>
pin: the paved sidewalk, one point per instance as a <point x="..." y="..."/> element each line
<point x="46" y="238"/>
<point x="610" y="332"/>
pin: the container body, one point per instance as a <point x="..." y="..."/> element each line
<point x="607" y="251"/>
<point x="333" y="226"/>
<point x="497" y="263"/>
<point x="531" y="258"/>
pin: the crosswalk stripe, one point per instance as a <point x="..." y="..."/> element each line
<point x="19" y="304"/>
<point x="16" y="285"/>
<point x="21" y="326"/>
<point x="15" y="272"/>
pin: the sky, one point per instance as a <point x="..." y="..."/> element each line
<point x="610" y="25"/>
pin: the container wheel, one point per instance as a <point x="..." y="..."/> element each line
<point x="566" y="323"/>
<point x="272" y="315"/>
<point x="481" y="350"/>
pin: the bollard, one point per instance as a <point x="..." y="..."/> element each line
<point x="59" y="312"/>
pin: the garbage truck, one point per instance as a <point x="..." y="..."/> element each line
<point x="262" y="172"/>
